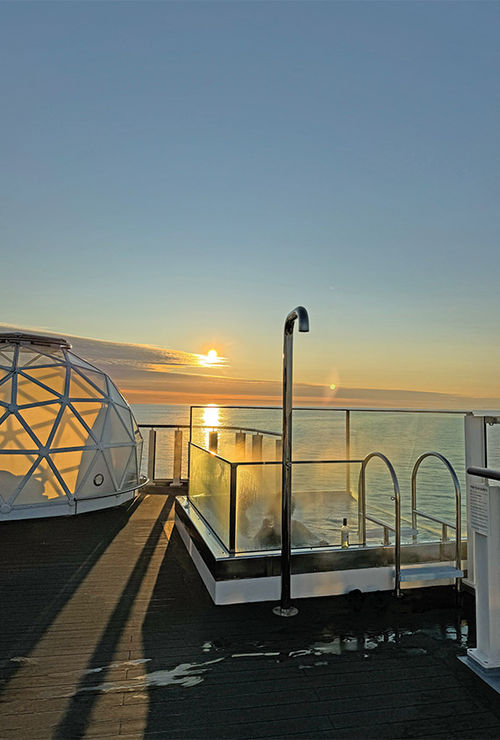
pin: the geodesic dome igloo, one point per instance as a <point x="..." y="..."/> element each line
<point x="68" y="440"/>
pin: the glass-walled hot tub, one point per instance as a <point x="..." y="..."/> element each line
<point x="235" y="485"/>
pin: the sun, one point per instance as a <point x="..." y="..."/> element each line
<point x="211" y="359"/>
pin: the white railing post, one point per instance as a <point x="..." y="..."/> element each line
<point x="176" y="482"/>
<point x="257" y="447"/>
<point x="240" y="443"/>
<point x="152" y="455"/>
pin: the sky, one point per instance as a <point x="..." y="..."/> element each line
<point x="176" y="177"/>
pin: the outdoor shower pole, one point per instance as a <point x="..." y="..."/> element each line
<point x="285" y="609"/>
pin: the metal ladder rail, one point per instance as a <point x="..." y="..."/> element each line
<point x="458" y="507"/>
<point x="397" y="514"/>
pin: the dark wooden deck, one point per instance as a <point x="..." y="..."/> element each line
<point x="106" y="630"/>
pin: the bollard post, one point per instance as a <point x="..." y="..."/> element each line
<point x="257" y="447"/>
<point x="152" y="455"/>
<point x="240" y="444"/>
<point x="213" y="442"/>
<point x="176" y="482"/>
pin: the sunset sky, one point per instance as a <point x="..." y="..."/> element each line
<point x="177" y="176"/>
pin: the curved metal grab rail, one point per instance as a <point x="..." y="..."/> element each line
<point x="362" y="516"/>
<point x="458" y="505"/>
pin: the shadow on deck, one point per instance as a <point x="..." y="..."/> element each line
<point x="108" y="631"/>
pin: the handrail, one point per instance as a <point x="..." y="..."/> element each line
<point x="163" y="426"/>
<point x="485" y="473"/>
<point x="458" y="506"/>
<point x="217" y="427"/>
<point x="362" y="517"/>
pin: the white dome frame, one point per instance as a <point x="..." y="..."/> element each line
<point x="69" y="442"/>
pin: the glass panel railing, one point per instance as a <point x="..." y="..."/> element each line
<point x="403" y="437"/>
<point x="258" y="507"/>
<point x="210" y="490"/>
<point x="319" y="503"/>
<point x="319" y="434"/>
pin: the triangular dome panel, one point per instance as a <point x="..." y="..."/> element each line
<point x="73" y="466"/>
<point x="115" y="394"/>
<point x="75" y="360"/>
<point x="126" y="417"/>
<point x="40" y="419"/>
<point x="41" y="486"/>
<point x="13" y="470"/>
<point x="131" y="475"/>
<point x="53" y="377"/>
<point x="98" y="481"/>
<point x="51" y="356"/>
<point x="79" y="388"/>
<point x="115" y="431"/>
<point x="139" y="455"/>
<point x="98" y="379"/>
<point x="6" y="391"/>
<point x="13" y="436"/>
<point x="6" y="357"/>
<point x="30" y="392"/>
<point x="70" y="432"/>
<point x="93" y="414"/>
<point x="118" y="459"/>
<point x="31" y="357"/>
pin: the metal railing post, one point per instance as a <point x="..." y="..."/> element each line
<point x="285" y="609"/>
<point x="152" y="455"/>
<point x="232" y="508"/>
<point x="177" y="471"/>
<point x="348" y="450"/>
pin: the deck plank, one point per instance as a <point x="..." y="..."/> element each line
<point x="107" y="631"/>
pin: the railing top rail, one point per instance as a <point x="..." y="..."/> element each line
<point x="295" y="462"/>
<point x="345" y="408"/>
<point x="276" y="462"/>
<point x="163" y="426"/>
<point x="484" y="473"/>
<point x="216" y="427"/>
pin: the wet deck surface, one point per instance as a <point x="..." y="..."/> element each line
<point x="107" y="631"/>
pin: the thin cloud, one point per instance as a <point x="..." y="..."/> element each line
<point x="106" y="354"/>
